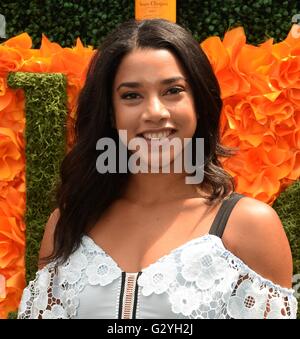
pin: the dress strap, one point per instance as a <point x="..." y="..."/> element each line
<point x="220" y="221"/>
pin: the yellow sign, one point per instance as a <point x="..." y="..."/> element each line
<point x="151" y="9"/>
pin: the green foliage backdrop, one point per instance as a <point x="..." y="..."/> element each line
<point x="287" y="206"/>
<point x="63" y="21"/>
<point x="45" y="147"/>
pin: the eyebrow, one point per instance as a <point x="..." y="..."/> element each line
<point x="163" y="82"/>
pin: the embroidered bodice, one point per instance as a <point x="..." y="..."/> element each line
<point x="199" y="279"/>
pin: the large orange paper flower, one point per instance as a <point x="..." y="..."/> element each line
<point x="14" y="285"/>
<point x="11" y="160"/>
<point x="261" y="96"/>
<point x="10" y="60"/>
<point x="11" y="242"/>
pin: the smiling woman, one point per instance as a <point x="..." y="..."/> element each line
<point x="149" y="245"/>
<point x="152" y="97"/>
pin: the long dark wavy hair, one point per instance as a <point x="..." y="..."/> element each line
<point x="82" y="193"/>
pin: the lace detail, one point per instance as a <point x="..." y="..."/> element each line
<point x="210" y="282"/>
<point x="158" y="277"/>
<point x="197" y="259"/>
<point x="54" y="292"/>
<point x="42" y="297"/>
<point x="201" y="279"/>
<point x="102" y="271"/>
<point x="185" y="300"/>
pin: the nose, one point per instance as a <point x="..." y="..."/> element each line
<point x="155" y="110"/>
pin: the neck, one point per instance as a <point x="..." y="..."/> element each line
<point x="149" y="189"/>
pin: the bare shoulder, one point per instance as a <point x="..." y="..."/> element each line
<point x="46" y="247"/>
<point x="255" y="234"/>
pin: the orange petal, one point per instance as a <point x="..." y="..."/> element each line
<point x="48" y="48"/>
<point x="234" y="40"/>
<point x="22" y="40"/>
<point x="216" y="53"/>
<point x="5" y="100"/>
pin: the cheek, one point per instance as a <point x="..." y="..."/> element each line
<point x="126" y="121"/>
<point x="191" y="116"/>
<point x="187" y="119"/>
<point x="121" y="115"/>
<point x="188" y="111"/>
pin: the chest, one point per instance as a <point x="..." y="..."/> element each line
<point x="136" y="237"/>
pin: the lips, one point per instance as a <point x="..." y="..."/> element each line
<point x="157" y="135"/>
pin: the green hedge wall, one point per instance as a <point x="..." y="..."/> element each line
<point x="63" y="21"/>
<point x="45" y="141"/>
<point x="287" y="207"/>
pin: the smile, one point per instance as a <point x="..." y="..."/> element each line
<point x="157" y="135"/>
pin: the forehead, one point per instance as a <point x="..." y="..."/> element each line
<point x="148" y="65"/>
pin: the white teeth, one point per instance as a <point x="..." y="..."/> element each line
<point x="159" y="135"/>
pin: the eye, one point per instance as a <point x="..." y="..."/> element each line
<point x="133" y="95"/>
<point x="175" y="90"/>
<point x="129" y="96"/>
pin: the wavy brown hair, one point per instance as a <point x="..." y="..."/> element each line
<point x="82" y="193"/>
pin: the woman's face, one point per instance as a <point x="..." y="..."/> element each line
<point x="150" y="94"/>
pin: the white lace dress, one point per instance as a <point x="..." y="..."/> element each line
<point x="200" y="279"/>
